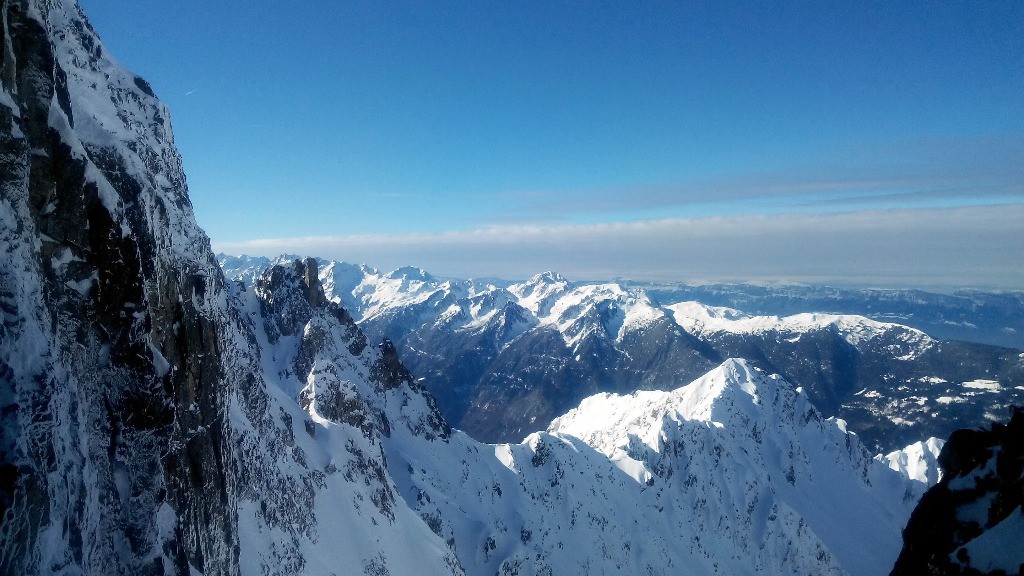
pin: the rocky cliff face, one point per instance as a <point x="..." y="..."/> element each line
<point x="114" y="412"/>
<point x="154" y="419"/>
<point x="972" y="522"/>
<point x="315" y="495"/>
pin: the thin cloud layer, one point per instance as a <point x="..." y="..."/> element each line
<point x="979" y="247"/>
<point x="923" y="173"/>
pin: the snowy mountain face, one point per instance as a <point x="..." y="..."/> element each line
<point x="892" y="384"/>
<point x="315" y="495"/>
<point x="247" y="268"/>
<point x="148" y="420"/>
<point x="772" y="464"/>
<point x="919" y="461"/>
<point x="501" y="360"/>
<point x="735" y="473"/>
<point x="563" y="501"/>
<point x="744" y="473"/>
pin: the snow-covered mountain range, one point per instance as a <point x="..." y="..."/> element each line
<point x="733" y="473"/>
<point x="993" y="318"/>
<point x="156" y="419"/>
<point x="502" y="359"/>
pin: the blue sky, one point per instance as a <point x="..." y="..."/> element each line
<point x="355" y="123"/>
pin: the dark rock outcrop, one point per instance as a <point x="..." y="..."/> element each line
<point x="971" y="521"/>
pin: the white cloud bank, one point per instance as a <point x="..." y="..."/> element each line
<point x="928" y="248"/>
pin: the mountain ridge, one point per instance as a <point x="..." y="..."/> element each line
<point x="970" y="315"/>
<point x="503" y="359"/>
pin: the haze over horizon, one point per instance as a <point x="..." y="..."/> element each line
<point x="867" y="144"/>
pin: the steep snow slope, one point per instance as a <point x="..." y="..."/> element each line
<point x="753" y="454"/>
<point x="315" y="494"/>
<point x="734" y="473"/>
<point x="919" y="461"/>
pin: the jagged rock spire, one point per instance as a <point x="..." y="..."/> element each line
<point x="311" y="278"/>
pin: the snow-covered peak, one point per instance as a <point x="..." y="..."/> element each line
<point x="735" y="376"/>
<point x="538" y="293"/>
<point x="607" y="421"/>
<point x="407" y="292"/>
<point x="740" y="442"/>
<point x="228" y="261"/>
<point x="918" y="461"/>
<point x="547" y="277"/>
<point x="693" y="311"/>
<point x="487" y="305"/>
<point x="340" y="279"/>
<point x="607" y="310"/>
<point x="411" y="274"/>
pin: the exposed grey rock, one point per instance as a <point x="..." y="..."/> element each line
<point x="311" y="278"/>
